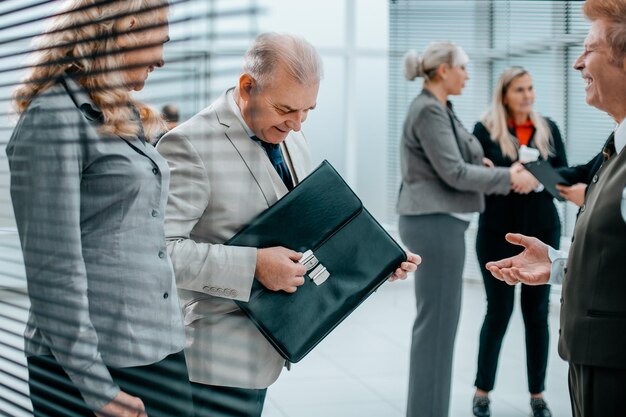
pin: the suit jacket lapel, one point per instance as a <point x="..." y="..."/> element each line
<point x="136" y="144"/>
<point x="295" y="144"/>
<point x="92" y="113"/>
<point x="143" y="149"/>
<point x="252" y="154"/>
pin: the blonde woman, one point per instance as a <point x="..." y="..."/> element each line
<point x="509" y="130"/>
<point x="105" y="333"/>
<point x="443" y="184"/>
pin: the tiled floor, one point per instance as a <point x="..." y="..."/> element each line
<point x="361" y="368"/>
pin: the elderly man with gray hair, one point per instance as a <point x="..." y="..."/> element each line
<point x="229" y="163"/>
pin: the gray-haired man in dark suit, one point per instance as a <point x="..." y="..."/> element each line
<point x="593" y="311"/>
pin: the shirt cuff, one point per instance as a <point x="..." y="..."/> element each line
<point x="559" y="264"/>
<point x="95" y="385"/>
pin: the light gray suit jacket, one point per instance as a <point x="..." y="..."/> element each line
<point x="220" y="180"/>
<point x="441" y="163"/>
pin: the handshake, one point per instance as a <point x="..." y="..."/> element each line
<point x="522" y="181"/>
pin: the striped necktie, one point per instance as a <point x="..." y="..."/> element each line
<point x="276" y="158"/>
<point x="609" y="147"/>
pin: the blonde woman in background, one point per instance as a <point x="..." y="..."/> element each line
<point x="443" y="184"/>
<point x="105" y="333"/>
<point x="512" y="131"/>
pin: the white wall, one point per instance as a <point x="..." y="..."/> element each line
<point x="349" y="126"/>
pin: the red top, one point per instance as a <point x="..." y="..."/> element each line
<point x="523" y="132"/>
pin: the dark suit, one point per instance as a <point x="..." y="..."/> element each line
<point x="582" y="173"/>
<point x="593" y="310"/>
<point x="532" y="214"/>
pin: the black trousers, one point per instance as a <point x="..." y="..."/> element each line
<point x="596" y="391"/>
<point x="491" y="246"/>
<point x="163" y="387"/>
<point x="216" y="401"/>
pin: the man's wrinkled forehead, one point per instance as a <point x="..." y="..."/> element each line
<point x="596" y="36"/>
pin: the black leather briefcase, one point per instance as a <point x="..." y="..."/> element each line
<point x="347" y="253"/>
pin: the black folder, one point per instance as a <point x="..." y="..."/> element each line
<point x="347" y="253"/>
<point x="548" y="176"/>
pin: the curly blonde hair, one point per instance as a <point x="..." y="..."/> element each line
<point x="83" y="40"/>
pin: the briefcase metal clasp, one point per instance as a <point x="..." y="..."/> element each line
<point x="319" y="275"/>
<point x="309" y="260"/>
<point x="315" y="270"/>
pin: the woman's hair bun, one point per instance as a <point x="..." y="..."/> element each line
<point x="413" y="66"/>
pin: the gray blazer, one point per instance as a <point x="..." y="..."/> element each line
<point x="221" y="179"/>
<point x="89" y="211"/>
<point x="441" y="163"/>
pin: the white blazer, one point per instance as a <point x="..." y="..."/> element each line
<point x="220" y="180"/>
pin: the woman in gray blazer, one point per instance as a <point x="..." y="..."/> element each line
<point x="105" y="332"/>
<point x="443" y="183"/>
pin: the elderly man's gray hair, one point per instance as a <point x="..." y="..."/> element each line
<point x="294" y="54"/>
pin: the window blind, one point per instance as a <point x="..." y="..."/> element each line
<point x="208" y="39"/>
<point x="545" y="37"/>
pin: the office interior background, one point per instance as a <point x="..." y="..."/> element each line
<point x="362" y="101"/>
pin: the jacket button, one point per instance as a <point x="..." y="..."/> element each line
<point x="233" y="293"/>
<point x="165" y="296"/>
<point x="582" y="208"/>
<point x="155" y="213"/>
<point x="595" y="178"/>
<point x="161" y="254"/>
<point x="155" y="171"/>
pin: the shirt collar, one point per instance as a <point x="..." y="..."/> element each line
<point x="230" y="98"/>
<point x="620" y="136"/>
<point x="82" y="99"/>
